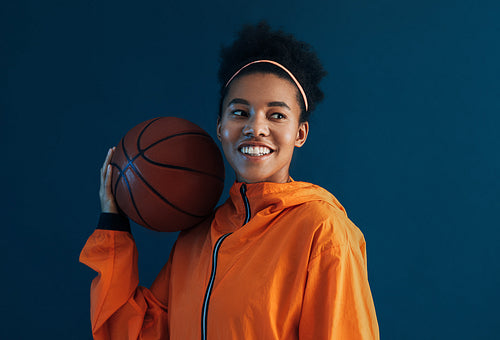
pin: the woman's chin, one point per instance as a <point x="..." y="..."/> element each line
<point x="259" y="178"/>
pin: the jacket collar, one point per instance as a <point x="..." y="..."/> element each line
<point x="266" y="198"/>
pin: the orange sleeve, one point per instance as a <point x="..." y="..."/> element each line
<point x="120" y="309"/>
<point x="338" y="303"/>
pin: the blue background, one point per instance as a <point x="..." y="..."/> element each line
<point x="407" y="139"/>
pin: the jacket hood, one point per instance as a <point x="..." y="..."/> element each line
<point x="266" y="199"/>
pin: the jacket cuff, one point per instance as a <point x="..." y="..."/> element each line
<point x="113" y="221"/>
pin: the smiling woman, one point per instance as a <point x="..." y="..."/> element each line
<point x="260" y="127"/>
<point x="279" y="259"/>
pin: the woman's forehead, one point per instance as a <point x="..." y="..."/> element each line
<point x="258" y="88"/>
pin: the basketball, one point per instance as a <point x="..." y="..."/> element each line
<point x="167" y="174"/>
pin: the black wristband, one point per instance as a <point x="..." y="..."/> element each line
<point x="113" y="221"/>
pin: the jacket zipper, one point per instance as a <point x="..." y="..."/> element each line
<point x="243" y="191"/>
<point x="208" y="292"/>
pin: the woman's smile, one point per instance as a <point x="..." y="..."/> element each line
<point x="255" y="150"/>
<point x="260" y="127"/>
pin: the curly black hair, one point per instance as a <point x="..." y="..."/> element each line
<point x="255" y="42"/>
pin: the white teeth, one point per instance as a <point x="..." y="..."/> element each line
<point x="255" y="150"/>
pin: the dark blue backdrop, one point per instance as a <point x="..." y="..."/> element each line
<point x="407" y="139"/>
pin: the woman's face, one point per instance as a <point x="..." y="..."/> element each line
<point x="260" y="127"/>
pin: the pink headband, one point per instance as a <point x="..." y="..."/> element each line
<point x="283" y="68"/>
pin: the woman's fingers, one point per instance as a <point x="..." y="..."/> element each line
<point x="107" y="180"/>
<point x="108" y="159"/>
<point x="106" y="168"/>
<point x="104" y="165"/>
<point x="107" y="199"/>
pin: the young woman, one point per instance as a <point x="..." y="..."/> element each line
<point x="278" y="260"/>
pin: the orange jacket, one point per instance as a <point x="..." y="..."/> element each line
<point x="278" y="261"/>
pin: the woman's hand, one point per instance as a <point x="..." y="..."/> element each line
<point x="108" y="204"/>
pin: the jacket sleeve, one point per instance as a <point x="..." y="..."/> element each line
<point x="120" y="309"/>
<point x="338" y="303"/>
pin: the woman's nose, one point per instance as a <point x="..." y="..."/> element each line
<point x="256" y="126"/>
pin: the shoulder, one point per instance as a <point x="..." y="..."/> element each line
<point x="320" y="206"/>
<point x="329" y="224"/>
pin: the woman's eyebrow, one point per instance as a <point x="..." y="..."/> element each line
<point x="280" y="104"/>
<point x="238" y="101"/>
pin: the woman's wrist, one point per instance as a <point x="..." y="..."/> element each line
<point x="113" y="221"/>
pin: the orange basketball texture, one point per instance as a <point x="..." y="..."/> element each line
<point x="168" y="174"/>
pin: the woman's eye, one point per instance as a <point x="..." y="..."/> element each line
<point x="277" y="115"/>
<point x="239" y="113"/>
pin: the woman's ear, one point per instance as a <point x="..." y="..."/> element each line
<point x="218" y="128"/>
<point x="302" y="134"/>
